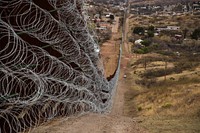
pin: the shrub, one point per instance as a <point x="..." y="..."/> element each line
<point x="139" y="51"/>
<point x="172" y="78"/>
<point x="146" y="42"/>
<point x="165" y="39"/>
<point x="138" y="30"/>
<point x="151" y="28"/>
<point x="131" y="40"/>
<point x="166" y="53"/>
<point x="187" y="65"/>
<point x="112" y="17"/>
<point x="167" y="105"/>
<point x="150" y="33"/>
<point x="196" y="34"/>
<point x="144" y="50"/>
<point x="146" y="82"/>
<point x="154" y="47"/>
<point x="139" y="108"/>
<point x="157" y="73"/>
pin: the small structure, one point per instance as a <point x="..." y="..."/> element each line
<point x="173" y="28"/>
<point x="138" y="42"/>
<point x="156" y="34"/>
<point x="168" y="28"/>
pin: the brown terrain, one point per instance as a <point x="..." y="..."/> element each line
<point x="171" y="106"/>
<point x="171" y="103"/>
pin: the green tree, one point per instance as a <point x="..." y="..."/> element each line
<point x="146" y="43"/>
<point x="138" y="30"/>
<point x="144" y="50"/>
<point x="151" y="28"/>
<point x="196" y="34"/>
<point x="150" y="33"/>
<point x="112" y="17"/>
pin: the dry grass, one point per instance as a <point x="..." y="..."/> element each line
<point x="109" y="54"/>
<point x="171" y="105"/>
<point x="167" y="106"/>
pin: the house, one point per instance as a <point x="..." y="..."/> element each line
<point x="173" y="28"/>
<point x="168" y="28"/>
